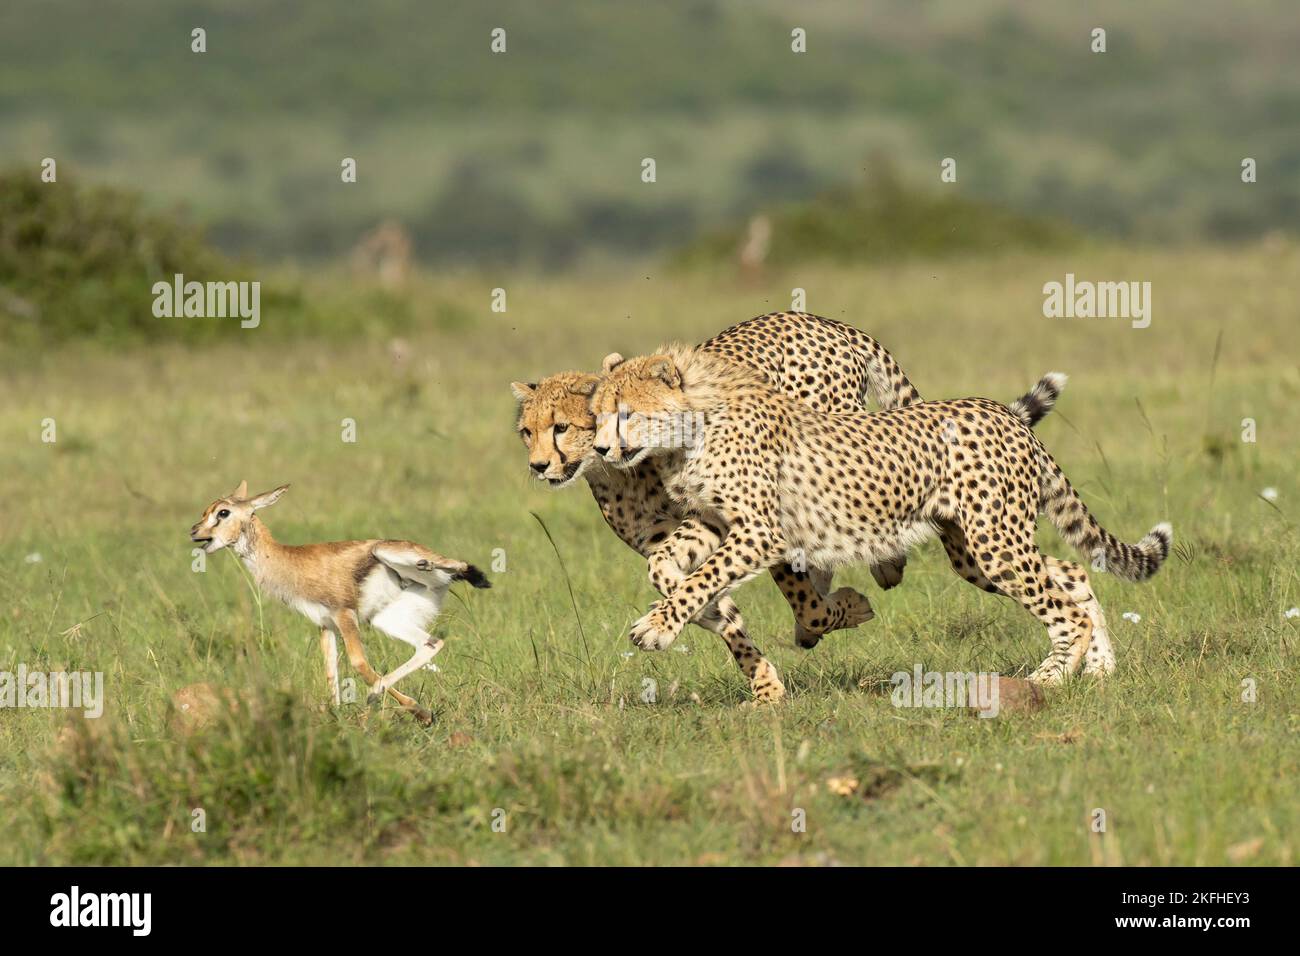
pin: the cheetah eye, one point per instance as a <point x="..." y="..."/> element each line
<point x="525" y="434"/>
<point x="223" y="514"/>
<point x="561" y="427"/>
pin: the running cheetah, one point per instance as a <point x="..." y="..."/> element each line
<point x="853" y="487"/>
<point x="829" y="365"/>
<point x="823" y="362"/>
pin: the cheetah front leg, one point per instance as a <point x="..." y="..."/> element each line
<point x="675" y="556"/>
<point x="723" y="618"/>
<point x="678" y="551"/>
<point x="748" y="549"/>
<point x="816" y="612"/>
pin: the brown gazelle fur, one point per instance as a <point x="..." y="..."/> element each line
<point x="397" y="586"/>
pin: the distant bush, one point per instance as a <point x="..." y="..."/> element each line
<point x="80" y="262"/>
<point x="882" y="219"/>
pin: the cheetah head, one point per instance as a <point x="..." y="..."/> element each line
<point x="638" y="406"/>
<point x="557" y="426"/>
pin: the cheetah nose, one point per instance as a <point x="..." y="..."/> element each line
<point x="601" y="450"/>
<point x="537" y="466"/>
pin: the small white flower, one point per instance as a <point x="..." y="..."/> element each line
<point x="1269" y="494"/>
<point x="1131" y="616"/>
<point x="626" y="654"/>
<point x="1293" y="612"/>
<point x="681" y="649"/>
<point x="34" y="558"/>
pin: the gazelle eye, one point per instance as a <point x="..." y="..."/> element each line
<point x="561" y="427"/>
<point x="223" y="514"/>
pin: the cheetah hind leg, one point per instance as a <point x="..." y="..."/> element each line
<point x="1073" y="580"/>
<point x="853" y="606"/>
<point x="847" y="606"/>
<point x="1070" y="629"/>
<point x="1027" y="579"/>
<point x="844" y="608"/>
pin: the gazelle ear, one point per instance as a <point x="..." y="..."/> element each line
<point x="241" y="492"/>
<point x="523" y="390"/>
<point x="268" y="498"/>
<point x="585" y="386"/>
<point x="663" y="368"/>
<point x="612" y="361"/>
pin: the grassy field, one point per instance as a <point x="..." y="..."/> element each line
<point x="539" y="709"/>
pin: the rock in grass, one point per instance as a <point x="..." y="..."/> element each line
<point x="1017" y="696"/>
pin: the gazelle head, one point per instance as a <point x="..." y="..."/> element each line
<point x="226" y="519"/>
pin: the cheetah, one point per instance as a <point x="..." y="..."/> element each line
<point x="826" y="363"/>
<point x="849" y="487"/>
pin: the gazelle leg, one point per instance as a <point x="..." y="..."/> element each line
<point x="403" y="619"/>
<point x="347" y="625"/>
<point x="329" y="646"/>
<point x="421" y="658"/>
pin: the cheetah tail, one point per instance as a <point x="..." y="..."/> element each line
<point x="1032" y="407"/>
<point x="887" y="383"/>
<point x="1066" y="510"/>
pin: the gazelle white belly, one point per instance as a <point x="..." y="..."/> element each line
<point x="318" y="614"/>
<point x="396" y="610"/>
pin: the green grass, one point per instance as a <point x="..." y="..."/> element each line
<point x="547" y="723"/>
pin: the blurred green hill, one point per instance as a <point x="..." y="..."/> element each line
<point x="534" y="156"/>
<point x="880" y="219"/>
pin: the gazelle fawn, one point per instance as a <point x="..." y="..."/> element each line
<point x="398" y="586"/>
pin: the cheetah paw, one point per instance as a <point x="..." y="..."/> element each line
<point x="654" y="632"/>
<point x="1098" y="664"/>
<point x="1099" y="669"/>
<point x="855" y="607"/>
<point x="766" y="685"/>
<point x="1047" y="674"/>
<point x="889" y="574"/>
<point x="804" y="637"/>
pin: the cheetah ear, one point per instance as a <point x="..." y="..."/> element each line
<point x="612" y="361"/>
<point x="585" y="387"/>
<point x="663" y="368"/>
<point x="523" y="391"/>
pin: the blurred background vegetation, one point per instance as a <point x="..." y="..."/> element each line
<point x="531" y="160"/>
